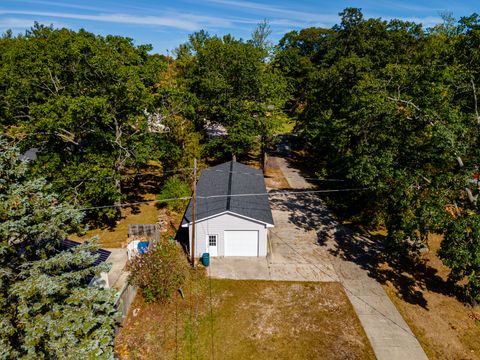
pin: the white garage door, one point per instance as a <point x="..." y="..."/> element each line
<point x="241" y="243"/>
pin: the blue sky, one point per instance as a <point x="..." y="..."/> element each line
<point x="166" y="24"/>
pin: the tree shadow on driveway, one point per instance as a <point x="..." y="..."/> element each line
<point x="409" y="278"/>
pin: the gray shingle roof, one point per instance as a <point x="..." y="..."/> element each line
<point x="103" y="255"/>
<point x="29" y="155"/>
<point x="231" y="178"/>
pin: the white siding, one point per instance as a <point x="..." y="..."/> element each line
<point x="217" y="225"/>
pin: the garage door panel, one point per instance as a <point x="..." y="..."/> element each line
<point x="241" y="243"/>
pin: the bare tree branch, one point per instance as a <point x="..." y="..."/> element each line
<point x="404" y="101"/>
<point x="475" y="101"/>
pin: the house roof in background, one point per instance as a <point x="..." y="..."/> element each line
<point x="67" y="245"/>
<point x="231" y="178"/>
<point x="29" y="155"/>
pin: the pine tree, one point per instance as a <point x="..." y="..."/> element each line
<point x="47" y="309"/>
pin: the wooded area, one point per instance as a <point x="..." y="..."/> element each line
<point x="393" y="107"/>
<point x="389" y="106"/>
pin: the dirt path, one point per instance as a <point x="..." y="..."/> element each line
<point x="292" y="175"/>
<point x="305" y="232"/>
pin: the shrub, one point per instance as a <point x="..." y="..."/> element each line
<point x="159" y="272"/>
<point x="174" y="188"/>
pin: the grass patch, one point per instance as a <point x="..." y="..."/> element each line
<point x="287" y="125"/>
<point x="246" y="320"/>
<point x="116" y="237"/>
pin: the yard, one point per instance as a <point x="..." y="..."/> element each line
<point x="148" y="213"/>
<point x="246" y="320"/>
<point x="446" y="328"/>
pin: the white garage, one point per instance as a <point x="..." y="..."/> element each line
<point x="241" y="242"/>
<point x="233" y="213"/>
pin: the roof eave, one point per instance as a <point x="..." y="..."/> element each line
<point x="268" y="225"/>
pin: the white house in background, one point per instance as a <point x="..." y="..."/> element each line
<point x="233" y="214"/>
<point x="215" y="130"/>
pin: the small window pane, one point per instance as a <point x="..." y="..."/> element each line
<point x="212" y="240"/>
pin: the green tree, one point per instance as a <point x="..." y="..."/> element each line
<point x="392" y="107"/>
<point x="80" y="99"/>
<point x="460" y="249"/>
<point x="234" y="85"/>
<point x="48" y="311"/>
<point x="174" y="188"/>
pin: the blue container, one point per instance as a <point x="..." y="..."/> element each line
<point x="143" y="246"/>
<point x="206" y="259"/>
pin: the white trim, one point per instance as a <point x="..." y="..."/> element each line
<point x="231" y="213"/>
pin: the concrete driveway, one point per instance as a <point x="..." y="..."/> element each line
<point x="294" y="254"/>
<point x="294" y="251"/>
<point x="308" y="244"/>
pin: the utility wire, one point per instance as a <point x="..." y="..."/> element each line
<point x="211" y="317"/>
<point x="317" y="179"/>
<point x="134" y="203"/>
<point x="233" y="172"/>
<point x="144" y="174"/>
<point x="252" y="174"/>
<point x="280" y="192"/>
<point x="125" y="175"/>
<point x="221" y="196"/>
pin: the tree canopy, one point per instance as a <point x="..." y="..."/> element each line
<point x="83" y="100"/>
<point x="392" y="107"/>
<point x="235" y="87"/>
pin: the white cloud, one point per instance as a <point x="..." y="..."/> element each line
<point x="426" y="21"/>
<point x="270" y="11"/>
<point x="21" y="24"/>
<point x="410" y="7"/>
<point x="15" y="23"/>
<point x="180" y="21"/>
<point x="61" y="4"/>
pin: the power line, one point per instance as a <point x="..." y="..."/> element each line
<point x="211" y="318"/>
<point x="252" y="174"/>
<point x="124" y="175"/>
<point x="317" y="179"/>
<point x="133" y="203"/>
<point x="221" y="196"/>
<point x="234" y="172"/>
<point x="280" y="192"/>
<point x="144" y="174"/>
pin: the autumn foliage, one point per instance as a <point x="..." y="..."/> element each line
<point x="160" y="271"/>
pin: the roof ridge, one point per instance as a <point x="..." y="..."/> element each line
<point x="229" y="189"/>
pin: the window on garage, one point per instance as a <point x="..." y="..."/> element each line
<point x="212" y="240"/>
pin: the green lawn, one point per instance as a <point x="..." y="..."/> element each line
<point x="246" y="320"/>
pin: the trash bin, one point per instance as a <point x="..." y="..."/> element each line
<point x="206" y="259"/>
<point x="143" y="246"/>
